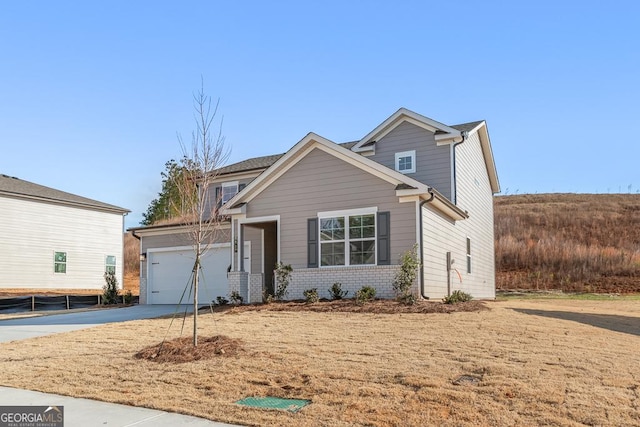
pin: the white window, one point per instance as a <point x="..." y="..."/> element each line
<point x="406" y="161"/>
<point x="110" y="264"/>
<point x="60" y="262"/>
<point x="229" y="189"/>
<point x="347" y="238"/>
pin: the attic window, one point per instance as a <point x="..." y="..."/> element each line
<point x="406" y="161"/>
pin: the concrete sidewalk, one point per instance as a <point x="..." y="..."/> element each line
<point x="89" y="413"/>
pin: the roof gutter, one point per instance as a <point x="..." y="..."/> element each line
<point x="424" y="202"/>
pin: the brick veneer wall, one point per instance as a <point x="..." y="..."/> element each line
<point x="352" y="279"/>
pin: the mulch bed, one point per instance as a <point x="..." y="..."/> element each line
<point x="350" y="306"/>
<point x="181" y="350"/>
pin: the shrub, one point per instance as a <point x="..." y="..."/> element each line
<point x="311" y="295"/>
<point x="236" y="298"/>
<point x="220" y="300"/>
<point x="365" y="294"/>
<point x="283" y="277"/>
<point x="406" y="276"/>
<point x="127" y="297"/>
<point x="110" y="289"/>
<point x="408" y="299"/>
<point x="336" y="291"/>
<point x="456" y="297"/>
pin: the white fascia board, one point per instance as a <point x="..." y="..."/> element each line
<point x="444" y="139"/>
<point x="233" y="211"/>
<point x="487" y="153"/>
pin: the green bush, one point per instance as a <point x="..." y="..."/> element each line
<point x="127" y="297"/>
<point x="456" y="297"/>
<point x="408" y="299"/>
<point x="283" y="277"/>
<point x="220" y="300"/>
<point x="365" y="294"/>
<point x="311" y="295"/>
<point x="406" y="276"/>
<point x="336" y="291"/>
<point x="236" y="298"/>
<point x="110" y="289"/>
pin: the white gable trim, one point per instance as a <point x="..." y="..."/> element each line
<point x="487" y="154"/>
<point x="407" y="116"/>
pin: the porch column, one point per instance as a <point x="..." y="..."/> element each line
<point x="241" y="248"/>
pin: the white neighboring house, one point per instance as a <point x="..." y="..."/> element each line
<point x="56" y="240"/>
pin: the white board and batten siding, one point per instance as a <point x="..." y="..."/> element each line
<point x="440" y="235"/>
<point x="33" y="231"/>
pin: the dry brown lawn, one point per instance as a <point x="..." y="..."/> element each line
<point x="528" y="362"/>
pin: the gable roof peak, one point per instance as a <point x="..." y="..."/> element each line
<point x="402" y="115"/>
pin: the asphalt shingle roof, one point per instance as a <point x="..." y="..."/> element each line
<point x="259" y="163"/>
<point x="14" y="187"/>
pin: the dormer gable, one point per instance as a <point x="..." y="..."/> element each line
<point x="443" y="134"/>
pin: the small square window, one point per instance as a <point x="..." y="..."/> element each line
<point x="406" y="162"/>
<point x="110" y="264"/>
<point x="60" y="262"/>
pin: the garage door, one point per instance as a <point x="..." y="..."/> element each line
<point x="170" y="273"/>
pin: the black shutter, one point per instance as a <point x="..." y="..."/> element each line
<point x="384" y="238"/>
<point x="312" y="243"/>
<point x="241" y="187"/>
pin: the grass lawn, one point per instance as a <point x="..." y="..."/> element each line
<point x="530" y="362"/>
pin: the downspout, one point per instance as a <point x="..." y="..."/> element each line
<point x="464" y="135"/>
<point x="424" y="202"/>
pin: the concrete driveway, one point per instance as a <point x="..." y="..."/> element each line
<point x="30" y="327"/>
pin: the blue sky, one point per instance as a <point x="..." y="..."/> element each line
<point x="92" y="94"/>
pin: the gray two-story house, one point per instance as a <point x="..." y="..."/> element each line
<point x="345" y="213"/>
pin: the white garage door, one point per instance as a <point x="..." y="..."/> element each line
<point x="170" y="274"/>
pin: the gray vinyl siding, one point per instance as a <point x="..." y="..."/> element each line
<point x="321" y="182"/>
<point x="32" y="231"/>
<point x="440" y="235"/>
<point x="433" y="162"/>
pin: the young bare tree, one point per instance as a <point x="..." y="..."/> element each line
<point x="197" y="203"/>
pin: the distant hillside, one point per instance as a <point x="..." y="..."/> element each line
<point x="573" y="242"/>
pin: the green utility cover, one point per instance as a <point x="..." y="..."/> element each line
<point x="291" y="405"/>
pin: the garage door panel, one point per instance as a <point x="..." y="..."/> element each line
<point x="170" y="274"/>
